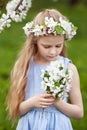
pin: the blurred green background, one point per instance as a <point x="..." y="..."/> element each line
<point x="12" y="39"/>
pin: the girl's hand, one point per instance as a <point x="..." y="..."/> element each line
<point x="43" y="100"/>
<point x="40" y="101"/>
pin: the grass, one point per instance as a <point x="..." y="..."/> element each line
<point x="12" y="39"/>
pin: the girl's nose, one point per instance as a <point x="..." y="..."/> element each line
<point x="53" y="51"/>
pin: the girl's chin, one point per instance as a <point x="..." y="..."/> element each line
<point x="52" y="58"/>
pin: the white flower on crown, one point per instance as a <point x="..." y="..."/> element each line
<point x="66" y="25"/>
<point x="38" y="30"/>
<point x="50" y="22"/>
<point x="28" y="27"/>
<point x="51" y="26"/>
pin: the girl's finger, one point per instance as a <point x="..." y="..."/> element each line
<point x="48" y="100"/>
<point x="47" y="95"/>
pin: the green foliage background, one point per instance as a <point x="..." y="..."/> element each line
<point x="11" y="42"/>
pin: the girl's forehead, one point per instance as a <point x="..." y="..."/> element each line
<point x="51" y="38"/>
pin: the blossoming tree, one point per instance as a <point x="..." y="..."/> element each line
<point x="16" y="11"/>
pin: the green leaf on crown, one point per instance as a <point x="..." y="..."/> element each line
<point x="59" y="30"/>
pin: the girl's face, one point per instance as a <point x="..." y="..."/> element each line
<point x="49" y="47"/>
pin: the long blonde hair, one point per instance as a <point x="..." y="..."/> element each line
<point x="18" y="76"/>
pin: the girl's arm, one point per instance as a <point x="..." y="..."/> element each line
<point x="75" y="109"/>
<point x="40" y="101"/>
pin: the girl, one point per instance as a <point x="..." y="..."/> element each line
<point x="45" y="43"/>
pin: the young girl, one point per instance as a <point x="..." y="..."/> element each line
<point x="45" y="43"/>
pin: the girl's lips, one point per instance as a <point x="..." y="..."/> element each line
<point x="52" y="57"/>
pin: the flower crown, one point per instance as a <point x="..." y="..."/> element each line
<point x="51" y="26"/>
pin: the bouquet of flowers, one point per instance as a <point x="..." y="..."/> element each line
<point x="57" y="79"/>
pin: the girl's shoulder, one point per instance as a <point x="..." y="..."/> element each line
<point x="66" y="60"/>
<point x="69" y="64"/>
<point x="72" y="67"/>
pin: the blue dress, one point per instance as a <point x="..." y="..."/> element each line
<point x="52" y="118"/>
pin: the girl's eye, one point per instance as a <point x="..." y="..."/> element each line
<point x="58" y="46"/>
<point x="46" y="46"/>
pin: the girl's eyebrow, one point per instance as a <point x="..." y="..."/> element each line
<point x="57" y="44"/>
<point x="46" y="45"/>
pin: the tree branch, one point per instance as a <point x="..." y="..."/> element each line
<point x="18" y="5"/>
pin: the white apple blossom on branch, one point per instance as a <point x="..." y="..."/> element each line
<point x="16" y="11"/>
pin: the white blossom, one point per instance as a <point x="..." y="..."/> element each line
<point x="51" y="26"/>
<point x="4" y="22"/>
<point x="68" y="27"/>
<point x="16" y="11"/>
<point x="37" y="30"/>
<point x="50" y="22"/>
<point x="65" y="24"/>
<point x="27" y="27"/>
<point x="56" y="79"/>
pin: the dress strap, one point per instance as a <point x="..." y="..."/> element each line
<point x="66" y="61"/>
